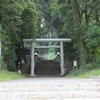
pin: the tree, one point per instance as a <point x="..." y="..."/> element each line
<point x="10" y="21"/>
<point x="28" y="29"/>
<point x="92" y="39"/>
<point x="80" y="43"/>
<point x="74" y="18"/>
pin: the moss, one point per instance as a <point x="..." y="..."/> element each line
<point x="7" y="75"/>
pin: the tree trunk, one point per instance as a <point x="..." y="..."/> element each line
<point x="86" y="16"/>
<point x="0" y="38"/>
<point x="23" y="50"/>
<point x="80" y="43"/>
<point x="96" y="16"/>
<point x="0" y="32"/>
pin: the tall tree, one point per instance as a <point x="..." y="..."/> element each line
<point x="10" y="26"/>
<point x="0" y="29"/>
<point x="28" y="28"/>
<point x="80" y="43"/>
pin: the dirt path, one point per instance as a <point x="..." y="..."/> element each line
<point x="47" y="88"/>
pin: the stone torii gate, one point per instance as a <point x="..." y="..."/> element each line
<point x="60" y="40"/>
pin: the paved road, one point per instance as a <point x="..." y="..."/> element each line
<point x="51" y="88"/>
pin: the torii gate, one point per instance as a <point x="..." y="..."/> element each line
<point x="60" y="40"/>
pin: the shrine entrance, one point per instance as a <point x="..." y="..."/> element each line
<point x="53" y="40"/>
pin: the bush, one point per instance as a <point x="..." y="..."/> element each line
<point x="92" y="39"/>
<point x="9" y="58"/>
<point x="92" y="36"/>
<point x="93" y="65"/>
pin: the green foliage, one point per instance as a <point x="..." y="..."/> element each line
<point x="84" y="73"/>
<point x="92" y="39"/>
<point x="11" y="18"/>
<point x="9" y="56"/>
<point x="19" y="20"/>
<point x="52" y="55"/>
<point x="23" y="18"/>
<point x="73" y="27"/>
<point x="93" y="65"/>
<point x="55" y="9"/>
<point x="29" y="18"/>
<point x="92" y="36"/>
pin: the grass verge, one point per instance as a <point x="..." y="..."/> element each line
<point x="7" y="76"/>
<point x="84" y="73"/>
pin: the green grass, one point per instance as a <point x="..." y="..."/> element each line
<point x="83" y="73"/>
<point x="7" y="76"/>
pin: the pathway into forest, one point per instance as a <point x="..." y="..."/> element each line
<point x="50" y="88"/>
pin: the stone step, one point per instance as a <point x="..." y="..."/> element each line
<point x="35" y="89"/>
<point x="47" y="67"/>
<point x="75" y="99"/>
<point x="49" y="95"/>
<point x="59" y="99"/>
<point x="50" y="89"/>
<point x="54" y="84"/>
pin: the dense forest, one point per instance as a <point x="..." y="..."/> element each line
<point x="75" y="19"/>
